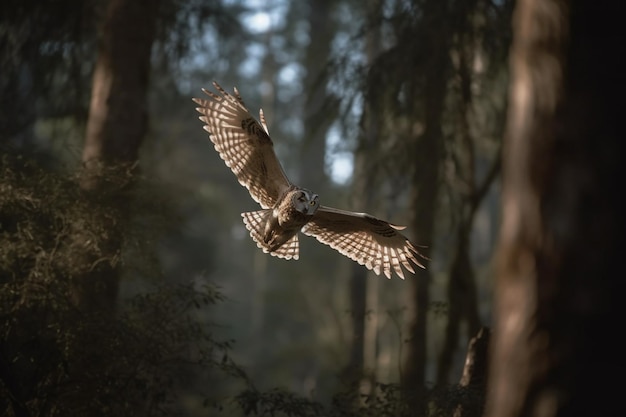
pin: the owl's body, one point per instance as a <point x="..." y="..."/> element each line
<point x="272" y="228"/>
<point x="246" y="147"/>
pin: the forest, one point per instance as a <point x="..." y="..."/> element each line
<point x="129" y="285"/>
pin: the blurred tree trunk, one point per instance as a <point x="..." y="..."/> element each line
<point x="319" y="111"/>
<point x="362" y="191"/>
<point x="462" y="292"/>
<point x="116" y="126"/>
<point x="428" y="155"/>
<point x="462" y="297"/>
<point x="472" y="386"/>
<point x="557" y="299"/>
<point x="470" y="25"/>
<point x="358" y="308"/>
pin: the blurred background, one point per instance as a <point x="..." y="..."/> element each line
<point x="390" y="107"/>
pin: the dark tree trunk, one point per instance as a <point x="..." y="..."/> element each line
<point x="115" y="129"/>
<point x="358" y="283"/>
<point x="428" y="155"/>
<point x="363" y="184"/>
<point x="118" y="112"/>
<point x="319" y="111"/>
<point x="462" y="304"/>
<point x="462" y="292"/>
<point x="473" y="383"/>
<point x="558" y="303"/>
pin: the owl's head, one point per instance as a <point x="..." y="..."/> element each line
<point x="305" y="202"/>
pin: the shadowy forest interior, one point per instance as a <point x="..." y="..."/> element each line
<point x="129" y="285"/>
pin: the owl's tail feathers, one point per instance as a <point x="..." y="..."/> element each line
<point x="255" y="222"/>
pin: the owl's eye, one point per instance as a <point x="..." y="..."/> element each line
<point x="312" y="203"/>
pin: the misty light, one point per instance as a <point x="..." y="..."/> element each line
<point x="258" y="22"/>
<point x="339" y="161"/>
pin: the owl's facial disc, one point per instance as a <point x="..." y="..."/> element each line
<point x="306" y="202"/>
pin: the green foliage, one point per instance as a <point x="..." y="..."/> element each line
<point x="277" y="402"/>
<point x="385" y="400"/>
<point x="58" y="360"/>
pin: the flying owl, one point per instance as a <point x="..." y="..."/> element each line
<point x="246" y="147"/>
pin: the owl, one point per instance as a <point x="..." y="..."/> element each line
<point x="286" y="209"/>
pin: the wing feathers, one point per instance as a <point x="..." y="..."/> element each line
<point x="255" y="223"/>
<point x="243" y="144"/>
<point x="247" y="149"/>
<point x="371" y="242"/>
<point x="263" y="122"/>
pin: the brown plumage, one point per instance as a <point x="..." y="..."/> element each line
<point x="246" y="147"/>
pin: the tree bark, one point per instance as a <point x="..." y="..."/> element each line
<point x="428" y="155"/>
<point x="356" y="363"/>
<point x="462" y="303"/>
<point x="363" y="184"/>
<point x="462" y="292"/>
<point x="318" y="114"/>
<point x="472" y="385"/>
<point x="116" y="126"/>
<point x="118" y="111"/>
<point x="557" y="299"/>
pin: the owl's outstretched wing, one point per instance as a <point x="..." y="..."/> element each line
<point x="244" y="144"/>
<point x="365" y="239"/>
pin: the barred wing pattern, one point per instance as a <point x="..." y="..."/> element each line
<point x="244" y="145"/>
<point x="365" y="239"/>
<point x="255" y="221"/>
<point x="247" y="149"/>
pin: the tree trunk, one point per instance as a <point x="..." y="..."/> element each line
<point x="558" y="304"/>
<point x="115" y="130"/>
<point x="358" y="281"/>
<point x="318" y="115"/>
<point x="363" y="184"/>
<point x="462" y="292"/>
<point x="118" y="112"/>
<point x="462" y="303"/>
<point x="472" y="386"/>
<point x="428" y="155"/>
